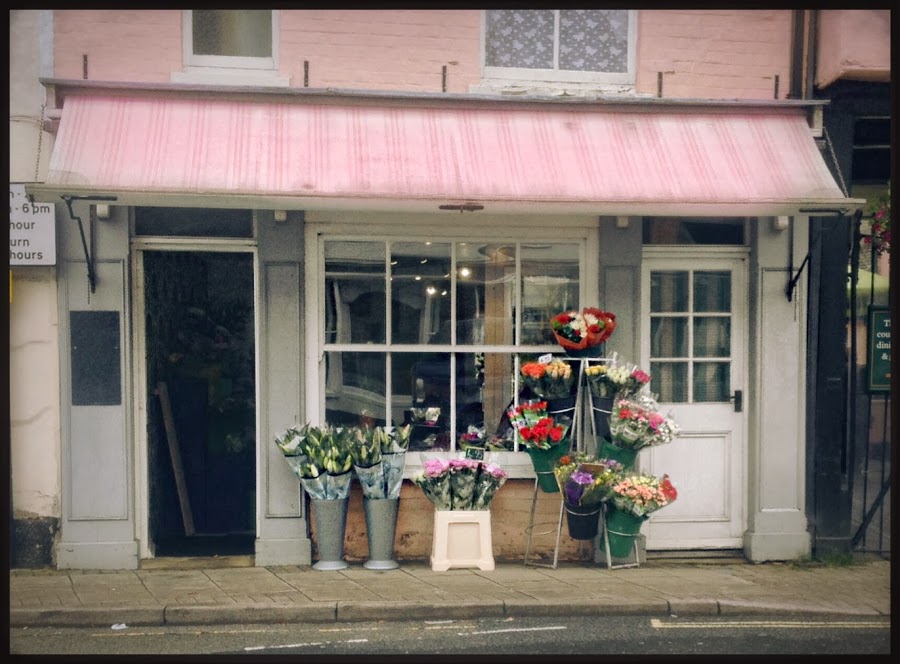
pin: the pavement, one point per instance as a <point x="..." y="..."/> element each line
<point x="219" y="592"/>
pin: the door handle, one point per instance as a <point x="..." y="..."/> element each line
<point x="738" y="399"/>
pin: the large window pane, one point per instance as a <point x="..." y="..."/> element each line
<point x="668" y="291"/>
<point x="712" y="337"/>
<point x="550" y="282"/>
<point x="354" y="292"/>
<point x="421" y="397"/>
<point x="230" y="32"/>
<point x="354" y="387"/>
<point x="485" y="293"/>
<point x="593" y="40"/>
<point x="420" y="292"/>
<point x="519" y="38"/>
<point x="668" y="337"/>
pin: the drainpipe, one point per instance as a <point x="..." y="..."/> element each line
<point x="812" y="38"/>
<point x="797" y="30"/>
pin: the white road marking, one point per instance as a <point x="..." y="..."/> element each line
<point x="288" y="645"/>
<point x="820" y="624"/>
<point x="518" y="629"/>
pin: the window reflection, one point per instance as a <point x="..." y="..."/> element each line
<point x="437" y="312"/>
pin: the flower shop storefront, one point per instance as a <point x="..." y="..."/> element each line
<point x="394" y="261"/>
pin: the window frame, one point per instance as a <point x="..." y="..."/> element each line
<point x="511" y="75"/>
<point x="194" y="62"/>
<point x="517" y="464"/>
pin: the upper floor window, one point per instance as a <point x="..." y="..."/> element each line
<point x="231" y="47"/>
<point x="235" y="38"/>
<point x="560" y="45"/>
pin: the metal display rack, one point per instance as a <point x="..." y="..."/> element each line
<point x="577" y="437"/>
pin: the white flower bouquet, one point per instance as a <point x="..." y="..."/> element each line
<point x="379" y="455"/>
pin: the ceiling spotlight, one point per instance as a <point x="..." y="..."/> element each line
<point x="418" y="278"/>
<point x="465" y="272"/>
<point x="431" y="290"/>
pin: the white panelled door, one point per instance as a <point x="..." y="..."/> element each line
<point x="694" y="319"/>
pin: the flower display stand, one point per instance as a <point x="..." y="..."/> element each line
<point x="577" y="444"/>
<point x="462" y="538"/>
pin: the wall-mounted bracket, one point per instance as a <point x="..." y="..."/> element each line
<point x="92" y="275"/>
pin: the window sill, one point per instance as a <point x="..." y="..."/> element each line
<point x="516" y="464"/>
<point x="552" y="89"/>
<point x="248" y="77"/>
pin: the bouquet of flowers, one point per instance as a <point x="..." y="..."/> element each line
<point x="635" y="424"/>
<point x="475" y="437"/>
<point x="586" y="480"/>
<point x="642" y="494"/>
<point x="379" y="455"/>
<point x="536" y="427"/>
<point x="320" y="457"/>
<point x="607" y="380"/>
<point x="880" y="239"/>
<point x="460" y="484"/>
<point x="549" y="380"/>
<point x="579" y="330"/>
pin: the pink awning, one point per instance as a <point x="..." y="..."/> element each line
<point x="601" y="159"/>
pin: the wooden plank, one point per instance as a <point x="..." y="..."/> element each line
<point x="162" y="391"/>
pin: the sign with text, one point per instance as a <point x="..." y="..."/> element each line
<point x="32" y="229"/>
<point x="879" y="349"/>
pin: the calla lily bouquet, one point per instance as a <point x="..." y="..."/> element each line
<point x="460" y="484"/>
<point x="641" y="495"/>
<point x="635" y="424"/>
<point x="379" y="454"/>
<point x="320" y="457"/>
<point x="549" y="380"/>
<point x="536" y="427"/>
<point x="585" y="480"/>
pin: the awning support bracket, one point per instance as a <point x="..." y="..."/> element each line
<point x="91" y="274"/>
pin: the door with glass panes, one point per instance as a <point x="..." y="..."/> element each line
<point x="694" y="317"/>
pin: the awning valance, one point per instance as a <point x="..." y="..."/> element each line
<point x="600" y="159"/>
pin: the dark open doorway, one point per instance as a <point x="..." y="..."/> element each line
<point x="201" y="411"/>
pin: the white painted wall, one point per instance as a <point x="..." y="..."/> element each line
<point x="33" y="318"/>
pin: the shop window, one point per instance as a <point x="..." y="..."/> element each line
<point x="688" y="230"/>
<point x="193" y="222"/>
<point x="431" y="333"/>
<point x="560" y="45"/>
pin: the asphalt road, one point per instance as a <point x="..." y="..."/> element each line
<point x="635" y="635"/>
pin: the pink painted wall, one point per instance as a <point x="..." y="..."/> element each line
<point x="121" y="45"/>
<point x="382" y="49"/>
<point x="858" y="45"/>
<point x="702" y="53"/>
<point x="715" y="53"/>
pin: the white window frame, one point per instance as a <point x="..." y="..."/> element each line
<point x="517" y="464"/>
<point x="228" y="70"/>
<point x="513" y="75"/>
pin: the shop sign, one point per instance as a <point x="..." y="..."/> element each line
<point x="879" y="349"/>
<point x="32" y="229"/>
